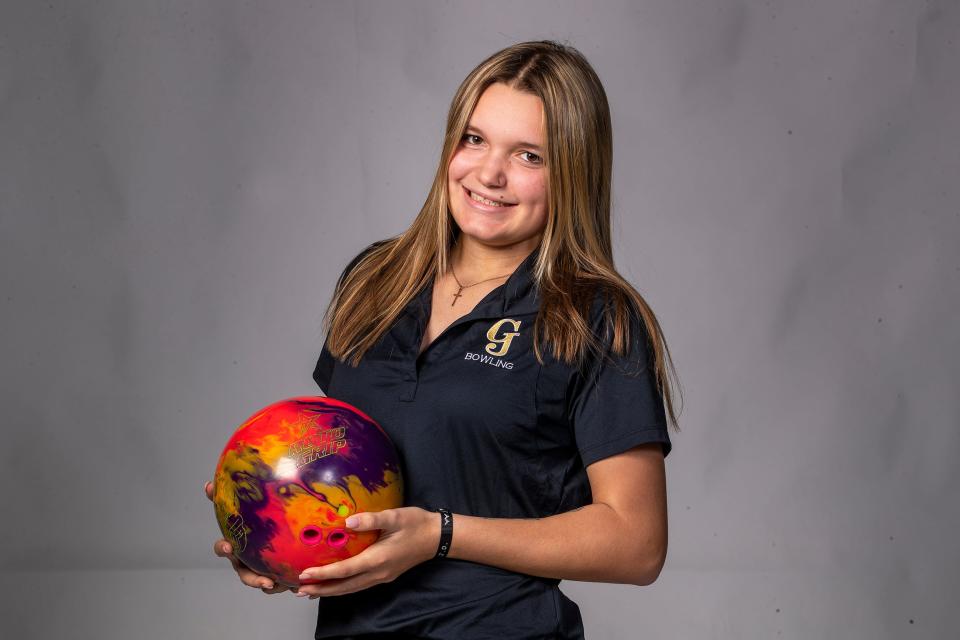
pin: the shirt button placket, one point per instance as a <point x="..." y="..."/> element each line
<point x="408" y="388"/>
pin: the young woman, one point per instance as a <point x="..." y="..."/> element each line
<point x="522" y="379"/>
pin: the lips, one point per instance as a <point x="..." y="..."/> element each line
<point x="480" y="205"/>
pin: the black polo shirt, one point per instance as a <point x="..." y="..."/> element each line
<point x="483" y="429"/>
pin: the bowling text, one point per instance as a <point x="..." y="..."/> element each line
<point x="490" y="360"/>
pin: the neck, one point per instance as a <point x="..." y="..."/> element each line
<point x="474" y="261"/>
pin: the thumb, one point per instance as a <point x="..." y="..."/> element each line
<point x="363" y="521"/>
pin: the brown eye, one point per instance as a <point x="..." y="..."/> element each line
<point x="534" y="158"/>
<point x="468" y="138"/>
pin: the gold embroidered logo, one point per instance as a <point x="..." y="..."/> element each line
<point x="499" y="346"/>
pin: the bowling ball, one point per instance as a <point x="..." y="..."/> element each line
<point x="289" y="477"/>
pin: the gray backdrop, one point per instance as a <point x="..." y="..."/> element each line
<point x="182" y="181"/>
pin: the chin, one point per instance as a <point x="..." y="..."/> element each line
<point x="495" y="239"/>
<point x="486" y="231"/>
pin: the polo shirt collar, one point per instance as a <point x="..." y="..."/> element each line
<point x="517" y="295"/>
<point x="519" y="292"/>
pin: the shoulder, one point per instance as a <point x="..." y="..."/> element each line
<point x="367" y="251"/>
<point x="612" y="304"/>
<point x="617" y="324"/>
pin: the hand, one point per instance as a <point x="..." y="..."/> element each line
<point x="409" y="536"/>
<point x="223" y="549"/>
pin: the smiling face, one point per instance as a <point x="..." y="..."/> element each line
<point x="501" y="159"/>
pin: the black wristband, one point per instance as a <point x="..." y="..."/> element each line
<point x="446" y="532"/>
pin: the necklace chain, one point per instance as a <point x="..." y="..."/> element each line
<point x="467" y="286"/>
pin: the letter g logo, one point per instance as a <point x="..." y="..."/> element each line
<point x="500" y="346"/>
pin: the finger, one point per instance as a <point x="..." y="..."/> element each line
<point x="277" y="588"/>
<point x="251" y="578"/>
<point x="247" y="576"/>
<point x="208" y="489"/>
<point x="341" y="569"/>
<point x="338" y="587"/>
<point x="314" y="590"/>
<point x="368" y="521"/>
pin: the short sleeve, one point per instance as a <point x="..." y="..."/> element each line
<point x="323" y="371"/>
<point x="615" y="404"/>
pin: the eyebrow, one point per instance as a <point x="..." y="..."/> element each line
<point x="530" y="145"/>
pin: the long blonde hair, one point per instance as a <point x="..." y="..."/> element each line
<point x="575" y="258"/>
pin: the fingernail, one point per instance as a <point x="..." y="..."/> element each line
<point x="304" y="576"/>
<point x="300" y="594"/>
<point x="352" y="521"/>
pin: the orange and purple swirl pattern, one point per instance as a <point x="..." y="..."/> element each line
<point x="291" y="475"/>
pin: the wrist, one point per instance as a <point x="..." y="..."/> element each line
<point x="446" y="533"/>
<point x="430" y="534"/>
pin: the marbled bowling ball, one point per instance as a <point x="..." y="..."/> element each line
<point x="289" y="477"/>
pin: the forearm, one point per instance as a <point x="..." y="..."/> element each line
<point x="592" y="544"/>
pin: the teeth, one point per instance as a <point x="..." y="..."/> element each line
<point x="484" y="200"/>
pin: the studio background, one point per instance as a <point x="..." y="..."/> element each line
<point x="182" y="182"/>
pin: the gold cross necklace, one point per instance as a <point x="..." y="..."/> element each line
<point x="462" y="287"/>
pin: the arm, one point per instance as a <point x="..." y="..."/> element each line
<point x="620" y="537"/>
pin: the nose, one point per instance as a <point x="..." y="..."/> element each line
<point x="491" y="172"/>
